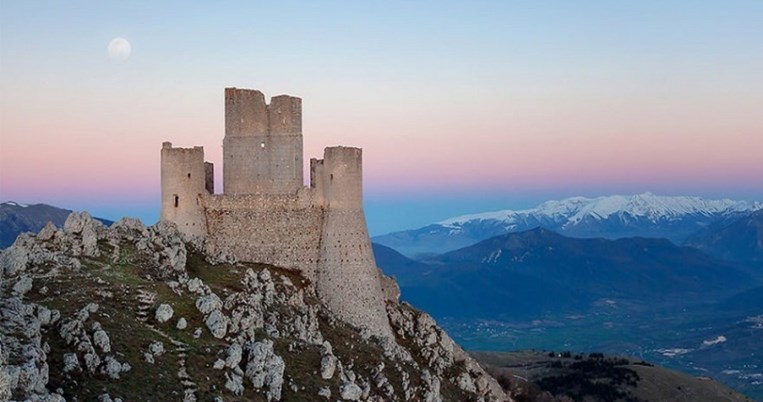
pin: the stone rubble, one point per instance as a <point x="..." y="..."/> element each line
<point x="328" y="361"/>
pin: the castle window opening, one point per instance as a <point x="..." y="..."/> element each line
<point x="189" y="175"/>
<point x="177" y="200"/>
<point x="262" y="144"/>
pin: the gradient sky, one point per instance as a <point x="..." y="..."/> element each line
<point x="460" y="107"/>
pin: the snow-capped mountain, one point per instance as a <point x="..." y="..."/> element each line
<point x="612" y="217"/>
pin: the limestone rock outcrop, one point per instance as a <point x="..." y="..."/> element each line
<point x="89" y="319"/>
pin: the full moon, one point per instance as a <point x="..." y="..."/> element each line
<point x="119" y="48"/>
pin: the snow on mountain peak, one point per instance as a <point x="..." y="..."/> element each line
<point x="15" y="204"/>
<point x="646" y="205"/>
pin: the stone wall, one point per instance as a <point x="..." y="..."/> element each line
<point x="348" y="279"/>
<point x="282" y="230"/>
<point x="209" y="177"/>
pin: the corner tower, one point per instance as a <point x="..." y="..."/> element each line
<point x="184" y="181"/>
<point x="262" y="148"/>
<point x="348" y="279"/>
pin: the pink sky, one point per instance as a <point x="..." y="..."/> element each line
<point x="521" y="100"/>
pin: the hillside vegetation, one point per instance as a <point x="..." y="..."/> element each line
<point x="133" y="313"/>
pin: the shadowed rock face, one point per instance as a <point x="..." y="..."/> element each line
<point x="740" y="240"/>
<point x="93" y="312"/>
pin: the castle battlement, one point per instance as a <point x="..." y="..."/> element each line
<point x="267" y="215"/>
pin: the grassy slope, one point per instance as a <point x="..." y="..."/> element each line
<point x="70" y="291"/>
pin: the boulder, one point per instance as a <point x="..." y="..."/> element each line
<point x="156" y="348"/>
<point x="234" y="383"/>
<point x="130" y="226"/>
<point x="112" y="368"/>
<point x="234" y="355"/>
<point x="265" y="369"/>
<point x="217" y="323"/>
<point x="22" y="286"/>
<point x="163" y="313"/>
<point x="47" y="232"/>
<point x="325" y="392"/>
<point x="350" y="391"/>
<point x="328" y="361"/>
<point x="71" y="362"/>
<point x="82" y="226"/>
<point x="101" y="340"/>
<point x="208" y="303"/>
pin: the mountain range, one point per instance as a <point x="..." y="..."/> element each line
<point x="676" y="218"/>
<point x="523" y="270"/>
<point x="694" y="307"/>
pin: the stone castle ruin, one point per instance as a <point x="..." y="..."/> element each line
<point x="265" y="213"/>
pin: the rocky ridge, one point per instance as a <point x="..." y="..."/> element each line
<point x="130" y="312"/>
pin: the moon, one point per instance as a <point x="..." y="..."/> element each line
<point x="119" y="49"/>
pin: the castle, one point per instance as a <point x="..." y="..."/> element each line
<point x="267" y="215"/>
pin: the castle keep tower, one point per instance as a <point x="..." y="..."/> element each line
<point x="262" y="148"/>
<point x="267" y="215"/>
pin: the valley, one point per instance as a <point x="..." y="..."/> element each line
<point x="723" y="348"/>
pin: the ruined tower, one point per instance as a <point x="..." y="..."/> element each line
<point x="184" y="181"/>
<point x="348" y="278"/>
<point x="262" y="148"/>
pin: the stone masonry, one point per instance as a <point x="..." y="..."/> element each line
<point x="267" y="215"/>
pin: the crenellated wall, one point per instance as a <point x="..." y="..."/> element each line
<point x="266" y="214"/>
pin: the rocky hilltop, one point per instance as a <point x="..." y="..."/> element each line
<point x="16" y="218"/>
<point x="134" y="313"/>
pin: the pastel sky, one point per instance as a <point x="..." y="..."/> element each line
<point x="460" y="107"/>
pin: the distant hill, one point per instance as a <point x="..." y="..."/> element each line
<point x="17" y="218"/>
<point x="645" y="215"/>
<point x="398" y="265"/>
<point x="555" y="376"/>
<point x="740" y="240"/>
<point x="525" y="274"/>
